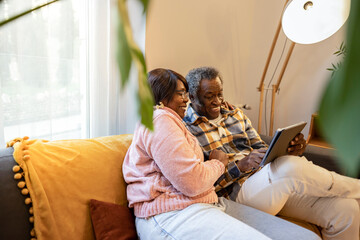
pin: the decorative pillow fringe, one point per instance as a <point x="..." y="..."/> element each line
<point x="19" y="170"/>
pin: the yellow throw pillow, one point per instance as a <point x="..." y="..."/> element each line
<point x="62" y="176"/>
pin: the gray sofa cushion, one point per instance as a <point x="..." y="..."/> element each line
<point x="14" y="213"/>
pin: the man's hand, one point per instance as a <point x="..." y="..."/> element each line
<point x="297" y="145"/>
<point x="252" y="161"/>
<point x="219" y="155"/>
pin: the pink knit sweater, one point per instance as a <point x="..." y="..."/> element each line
<point x="165" y="169"/>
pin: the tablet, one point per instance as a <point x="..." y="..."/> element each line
<point x="280" y="142"/>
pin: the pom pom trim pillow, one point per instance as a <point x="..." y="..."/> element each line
<point x="62" y="176"/>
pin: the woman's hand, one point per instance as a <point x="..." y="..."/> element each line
<point x="219" y="155"/>
<point x="228" y="105"/>
<point x="297" y="145"/>
<point x="252" y="161"/>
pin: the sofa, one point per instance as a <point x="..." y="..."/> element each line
<point x="74" y="189"/>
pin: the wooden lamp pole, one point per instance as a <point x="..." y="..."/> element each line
<point x="275" y="87"/>
<point x="303" y="23"/>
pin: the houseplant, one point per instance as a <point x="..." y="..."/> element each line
<point x="339" y="112"/>
<point x="340" y="52"/>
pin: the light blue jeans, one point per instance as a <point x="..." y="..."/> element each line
<point x="226" y="220"/>
<point x="295" y="187"/>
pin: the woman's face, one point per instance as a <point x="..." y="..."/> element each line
<point x="179" y="100"/>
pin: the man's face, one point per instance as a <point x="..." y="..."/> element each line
<point x="209" y="98"/>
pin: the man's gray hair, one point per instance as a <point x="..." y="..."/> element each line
<point x="195" y="76"/>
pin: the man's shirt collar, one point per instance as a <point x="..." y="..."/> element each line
<point x="192" y="116"/>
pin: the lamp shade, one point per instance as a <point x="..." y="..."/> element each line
<point x="308" y="22"/>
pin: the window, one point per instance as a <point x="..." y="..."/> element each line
<point x="43" y="62"/>
<point x="59" y="77"/>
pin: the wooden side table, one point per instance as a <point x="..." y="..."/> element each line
<point x="314" y="137"/>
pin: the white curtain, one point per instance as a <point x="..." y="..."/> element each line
<point x="58" y="73"/>
<point x="112" y="110"/>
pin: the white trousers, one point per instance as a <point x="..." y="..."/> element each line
<point x="295" y="187"/>
<point x="226" y="220"/>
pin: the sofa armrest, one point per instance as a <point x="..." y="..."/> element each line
<point x="14" y="213"/>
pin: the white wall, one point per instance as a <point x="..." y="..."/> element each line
<point x="235" y="37"/>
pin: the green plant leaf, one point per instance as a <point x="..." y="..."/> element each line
<point x="138" y="56"/>
<point x="144" y="92"/>
<point x="145" y="3"/>
<point x="131" y="53"/>
<point x="146" y="101"/>
<point x="339" y="112"/>
<point x="123" y="55"/>
<point x="25" y="13"/>
<point x="343" y="47"/>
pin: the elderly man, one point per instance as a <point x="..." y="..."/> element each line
<point x="290" y="185"/>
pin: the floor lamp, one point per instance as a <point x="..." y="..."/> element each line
<point x="303" y="22"/>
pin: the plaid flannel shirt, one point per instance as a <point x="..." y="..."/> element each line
<point x="233" y="134"/>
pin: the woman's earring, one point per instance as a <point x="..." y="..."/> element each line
<point x="159" y="106"/>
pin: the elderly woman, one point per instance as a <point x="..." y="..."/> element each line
<point x="170" y="186"/>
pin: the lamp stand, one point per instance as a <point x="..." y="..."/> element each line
<point x="275" y="88"/>
<point x="303" y="22"/>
